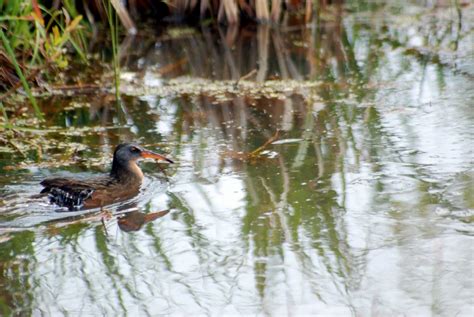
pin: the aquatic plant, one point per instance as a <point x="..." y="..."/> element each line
<point x="114" y="30"/>
<point x="45" y="37"/>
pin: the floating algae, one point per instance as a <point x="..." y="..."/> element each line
<point x="221" y="90"/>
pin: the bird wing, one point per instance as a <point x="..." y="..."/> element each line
<point x="65" y="184"/>
<point x="66" y="192"/>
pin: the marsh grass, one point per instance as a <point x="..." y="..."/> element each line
<point x="35" y="47"/>
<point x="5" y="116"/>
<point x="114" y="35"/>
<point x="45" y="38"/>
<point x="20" y="74"/>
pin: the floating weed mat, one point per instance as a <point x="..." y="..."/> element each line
<point x="222" y="90"/>
<point x="47" y="148"/>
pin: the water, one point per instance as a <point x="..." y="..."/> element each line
<point x="362" y="205"/>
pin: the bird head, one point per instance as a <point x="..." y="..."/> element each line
<point x="127" y="152"/>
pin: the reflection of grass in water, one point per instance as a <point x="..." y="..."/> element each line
<point x="158" y="246"/>
<point x="270" y="225"/>
<point x="110" y="263"/>
<point x="17" y="257"/>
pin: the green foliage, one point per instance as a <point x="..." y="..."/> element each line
<point x="32" y="43"/>
<point x="114" y="27"/>
<point x="41" y="42"/>
<point x="11" y="54"/>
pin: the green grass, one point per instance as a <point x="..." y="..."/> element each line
<point x="26" y="87"/>
<point x="114" y="28"/>
<point x="5" y="116"/>
<point x="31" y="45"/>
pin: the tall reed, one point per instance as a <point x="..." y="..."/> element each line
<point x="113" y="28"/>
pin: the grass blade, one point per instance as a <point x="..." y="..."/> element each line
<point x="11" y="54"/>
<point x="5" y="116"/>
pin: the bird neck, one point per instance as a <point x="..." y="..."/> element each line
<point x="127" y="172"/>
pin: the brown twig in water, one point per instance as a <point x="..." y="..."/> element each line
<point x="255" y="154"/>
<point x="262" y="147"/>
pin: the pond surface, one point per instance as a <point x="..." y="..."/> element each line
<point x="342" y="184"/>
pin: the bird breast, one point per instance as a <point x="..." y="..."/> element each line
<point x="136" y="171"/>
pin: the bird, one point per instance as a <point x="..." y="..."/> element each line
<point x="123" y="181"/>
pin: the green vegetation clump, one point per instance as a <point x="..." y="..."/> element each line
<point x="37" y="43"/>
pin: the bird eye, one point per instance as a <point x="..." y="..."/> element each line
<point x="134" y="149"/>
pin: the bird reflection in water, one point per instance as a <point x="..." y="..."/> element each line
<point x="128" y="219"/>
<point x="135" y="220"/>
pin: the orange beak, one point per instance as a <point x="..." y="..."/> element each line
<point x="153" y="155"/>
